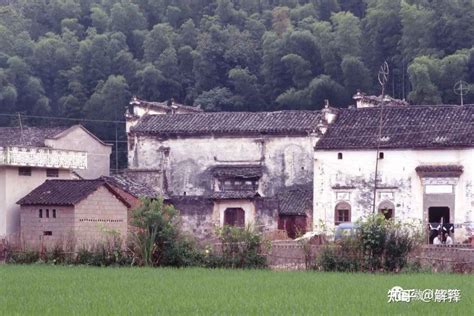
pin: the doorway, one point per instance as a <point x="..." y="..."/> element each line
<point x="234" y="216"/>
<point x="438" y="214"/>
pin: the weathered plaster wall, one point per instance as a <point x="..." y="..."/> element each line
<point x="286" y="160"/>
<point x="354" y="175"/>
<point x="196" y="216"/>
<point x="98" y="154"/>
<point x="200" y="216"/>
<point x="13" y="189"/>
<point x="33" y="227"/>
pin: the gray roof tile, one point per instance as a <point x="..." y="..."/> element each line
<point x="207" y="123"/>
<point x="439" y="126"/>
<point x="28" y="136"/>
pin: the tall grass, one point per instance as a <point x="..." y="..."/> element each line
<point x="41" y="290"/>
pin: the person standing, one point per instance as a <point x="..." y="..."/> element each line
<point x="437" y="240"/>
<point x="449" y="240"/>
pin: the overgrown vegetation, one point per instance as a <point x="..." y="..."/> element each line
<point x="378" y="245"/>
<point x="239" y="248"/>
<point x="86" y="58"/>
<point x="155" y="240"/>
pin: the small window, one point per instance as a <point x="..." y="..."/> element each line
<point x="52" y="173"/>
<point x="47" y="213"/>
<point x="339" y="155"/>
<point x="24" y="171"/>
<point x="54" y="213"/>
<point x="342" y="213"/>
<point x="47" y="233"/>
<point x="40" y="213"/>
<point x="381" y="155"/>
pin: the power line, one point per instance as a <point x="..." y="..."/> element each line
<point x="63" y="118"/>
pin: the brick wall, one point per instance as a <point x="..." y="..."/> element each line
<point x="99" y="216"/>
<point x="35" y="230"/>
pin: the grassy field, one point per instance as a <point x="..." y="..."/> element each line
<point x="49" y="290"/>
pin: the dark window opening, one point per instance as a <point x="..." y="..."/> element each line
<point x="52" y="173"/>
<point x="47" y="233"/>
<point x="387" y="208"/>
<point x="54" y="213"/>
<point x="437" y="214"/>
<point x="342" y="213"/>
<point x="47" y="213"/>
<point x="339" y="156"/>
<point x="234" y="216"/>
<point x="381" y="155"/>
<point x="387" y="213"/>
<point x="24" y="171"/>
<point x="238" y="184"/>
<point x="40" y="213"/>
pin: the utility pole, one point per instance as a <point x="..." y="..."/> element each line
<point x="383" y="78"/>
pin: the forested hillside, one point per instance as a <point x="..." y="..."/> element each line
<point x="86" y="58"/>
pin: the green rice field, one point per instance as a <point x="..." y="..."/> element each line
<point x="63" y="290"/>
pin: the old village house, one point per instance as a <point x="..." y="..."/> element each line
<point x="234" y="168"/>
<point x="425" y="171"/>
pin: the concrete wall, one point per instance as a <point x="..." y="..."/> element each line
<point x="33" y="227"/>
<point x="12" y="188"/>
<point x="286" y="160"/>
<point x="352" y="180"/>
<point x="98" y="154"/>
<point x="99" y="216"/>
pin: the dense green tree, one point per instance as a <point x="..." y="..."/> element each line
<point x="64" y="57"/>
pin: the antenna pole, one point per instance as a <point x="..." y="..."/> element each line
<point x="21" y="127"/>
<point x="383" y="78"/>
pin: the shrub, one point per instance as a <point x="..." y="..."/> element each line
<point x="343" y="256"/>
<point x="240" y="248"/>
<point x="24" y="257"/>
<point x="379" y="245"/>
<point x="157" y="240"/>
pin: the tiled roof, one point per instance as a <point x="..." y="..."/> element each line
<point x="64" y="192"/>
<point x="243" y="171"/>
<point x="434" y="171"/>
<point x="440" y="126"/>
<point x="288" y="122"/>
<point x="233" y="195"/>
<point x="28" y="136"/>
<point x="131" y="186"/>
<point x="296" y="199"/>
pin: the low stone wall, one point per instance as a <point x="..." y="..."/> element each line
<point x="292" y="255"/>
<point x="444" y="258"/>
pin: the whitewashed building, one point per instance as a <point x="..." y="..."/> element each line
<point x="424" y="157"/>
<point x="234" y="168"/>
<point x="31" y="155"/>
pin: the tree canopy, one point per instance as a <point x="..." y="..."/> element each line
<point x="85" y="58"/>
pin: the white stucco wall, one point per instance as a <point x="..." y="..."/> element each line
<point x="286" y="160"/>
<point x="98" y="153"/>
<point x="397" y="174"/>
<point x="12" y="188"/>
